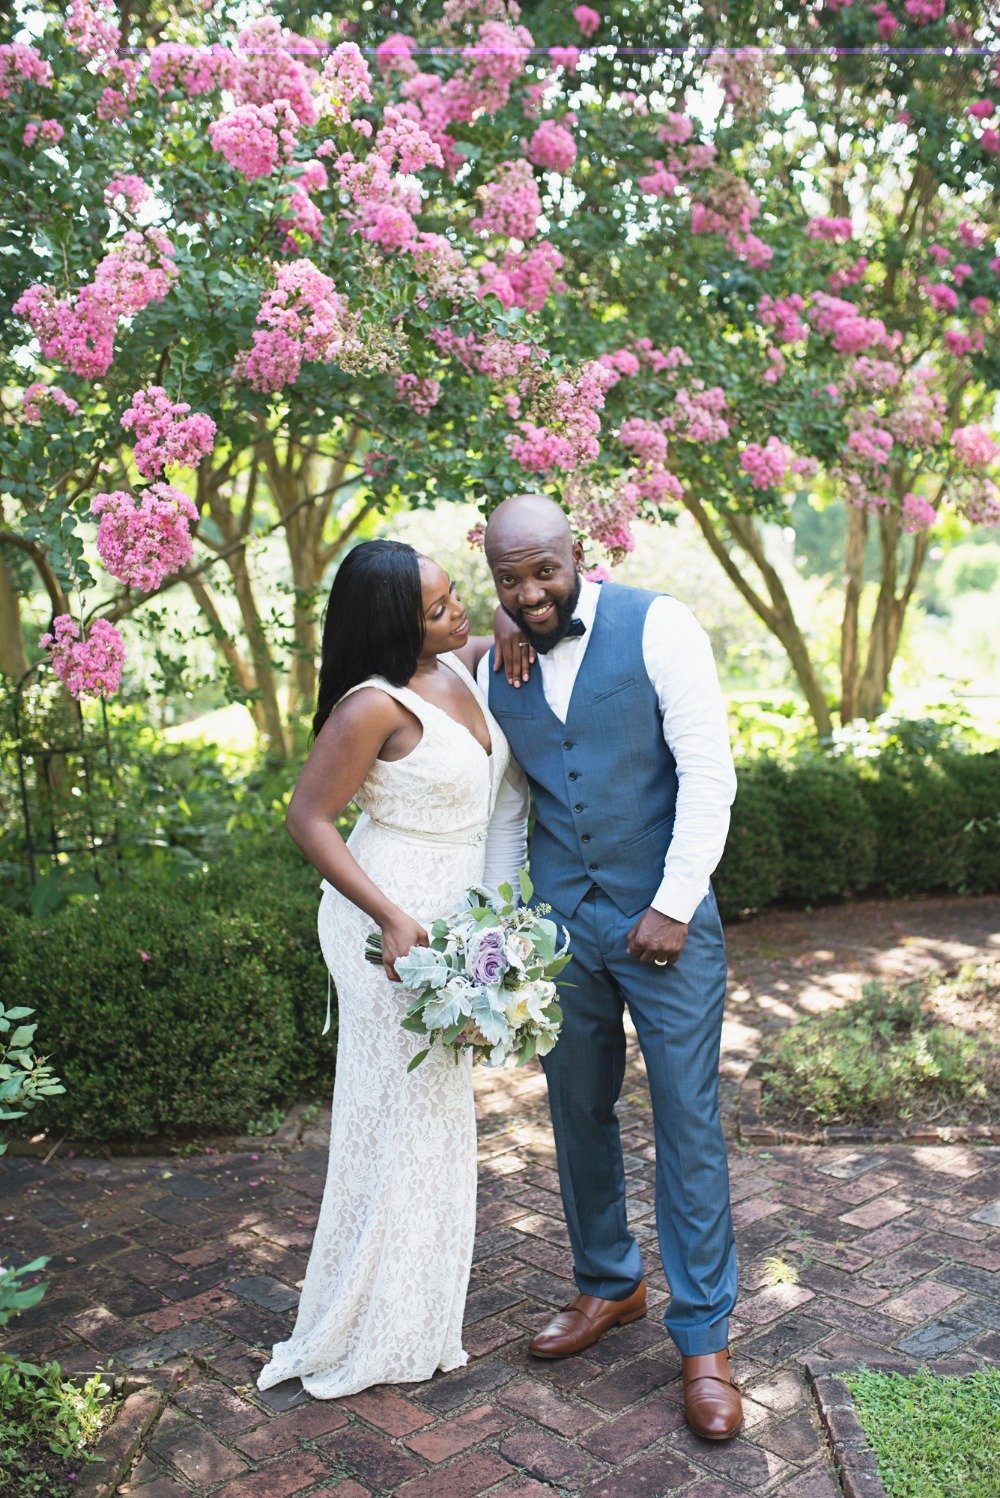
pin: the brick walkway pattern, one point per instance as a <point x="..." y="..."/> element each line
<point x="191" y="1263"/>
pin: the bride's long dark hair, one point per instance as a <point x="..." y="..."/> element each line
<point x="374" y="622"/>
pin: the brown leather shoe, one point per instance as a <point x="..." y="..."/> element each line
<point x="584" y="1322"/>
<point x="712" y="1404"/>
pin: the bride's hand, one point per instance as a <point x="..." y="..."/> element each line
<point x="511" y="652"/>
<point x="399" y="936"/>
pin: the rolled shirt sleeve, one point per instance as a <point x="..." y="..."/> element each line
<point x="681" y="667"/>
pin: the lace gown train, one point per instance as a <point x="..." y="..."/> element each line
<point x="385" y="1287"/>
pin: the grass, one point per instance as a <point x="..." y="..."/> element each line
<point x="47" y="1424"/>
<point x="934" y="1437"/>
<point x="908" y="1054"/>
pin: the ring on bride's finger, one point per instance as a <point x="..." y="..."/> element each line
<point x="661" y="961"/>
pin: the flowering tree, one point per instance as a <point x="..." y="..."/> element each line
<point x="266" y="279"/>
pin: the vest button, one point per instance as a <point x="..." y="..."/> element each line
<point x="574" y="774"/>
<point x="585" y="838"/>
<point x="578" y="806"/>
<point x="593" y="866"/>
<point x="568" y="744"/>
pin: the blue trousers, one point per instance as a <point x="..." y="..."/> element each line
<point x="677" y="1014"/>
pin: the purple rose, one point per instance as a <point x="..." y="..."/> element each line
<point x="489" y="963"/>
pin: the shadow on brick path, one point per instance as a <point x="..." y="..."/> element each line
<point x="192" y="1262"/>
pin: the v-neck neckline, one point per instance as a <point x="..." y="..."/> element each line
<point x="463" y="726"/>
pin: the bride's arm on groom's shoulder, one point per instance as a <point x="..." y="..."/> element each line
<point x="507" y="835"/>
<point x="345" y="748"/>
<point x="511" y="652"/>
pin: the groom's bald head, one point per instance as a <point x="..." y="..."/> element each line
<point x="525" y="521"/>
<point x="535" y="564"/>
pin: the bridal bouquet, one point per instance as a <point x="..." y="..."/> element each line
<point x="485" y="981"/>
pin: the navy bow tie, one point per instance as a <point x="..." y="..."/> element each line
<point x="576" y="628"/>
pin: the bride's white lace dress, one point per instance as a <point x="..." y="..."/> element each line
<point x="385" y="1287"/>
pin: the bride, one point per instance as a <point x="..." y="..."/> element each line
<point x="402" y="729"/>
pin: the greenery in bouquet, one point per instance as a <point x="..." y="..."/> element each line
<point x="485" y="982"/>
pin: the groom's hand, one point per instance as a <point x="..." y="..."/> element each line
<point x="657" y="939"/>
<point x="511" y="652"/>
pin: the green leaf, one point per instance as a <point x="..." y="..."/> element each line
<point x="418" y="1058"/>
<point x="527" y="888"/>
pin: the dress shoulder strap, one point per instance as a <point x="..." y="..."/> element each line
<point x="412" y="701"/>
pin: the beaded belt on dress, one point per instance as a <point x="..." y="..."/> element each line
<point x="472" y="835"/>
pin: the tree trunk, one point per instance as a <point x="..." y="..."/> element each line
<point x="265" y="675"/>
<point x="13" y="656"/>
<point x="854" y="557"/>
<point x="242" y="672"/>
<point x="776" y="611"/>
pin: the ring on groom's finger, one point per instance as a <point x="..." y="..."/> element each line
<point x="661" y="961"/>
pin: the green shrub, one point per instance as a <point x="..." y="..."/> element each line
<point x="875" y="1060"/>
<point x="976" y="779"/>
<point x="162" y="1014"/>
<point x="918" y="816"/>
<point x="828" y="843"/>
<point x="47" y="1422"/>
<point x="750" y="875"/>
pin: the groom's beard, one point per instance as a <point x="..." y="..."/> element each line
<point x="564" y="618"/>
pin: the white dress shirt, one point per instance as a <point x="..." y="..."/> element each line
<point x="678" y="659"/>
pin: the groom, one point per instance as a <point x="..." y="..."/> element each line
<point x="621" y="730"/>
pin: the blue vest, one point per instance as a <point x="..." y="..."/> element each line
<point x="604" y="782"/>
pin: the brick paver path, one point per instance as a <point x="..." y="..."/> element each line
<point x="191" y="1262"/>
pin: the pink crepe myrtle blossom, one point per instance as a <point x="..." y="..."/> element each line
<point x="192" y="71"/>
<point x="646" y="441"/>
<point x="848" y="330"/>
<point x="404" y="144"/>
<point x="37" y="395"/>
<point x="137" y="271"/>
<point x="982" y="109"/>
<point x="836" y="230"/>
<point x="938" y="254"/>
<point x="49" y="131"/>
<point x="975" y="446"/>
<point x="960" y="272"/>
<point x="565" y="429"/>
<point x="254" y="138"/>
<point x="784" y="316"/>
<point x="142" y="543"/>
<point x="677" y="129"/>
<point x="742" y="77"/>
<point x="524" y="279"/>
<point x="918" y="513"/>
<point x="130" y="188"/>
<point x="767" y="464"/>
<point x="268" y="71"/>
<point x="21" y="64"/>
<point x="345" y="80"/>
<point x="978" y="499"/>
<point x="869" y="445"/>
<point x="94" y="30"/>
<point x="566" y="58"/>
<point x="943" y="298"/>
<point x="605" y="514"/>
<point x="498" y="59"/>
<point x="166" y="433"/>
<point x="112" y="105"/>
<point x="88" y="666"/>
<point x="552" y="147"/>
<point x="776" y="366"/>
<point x="511" y="205"/>
<point x="395" y="55"/>
<point x="659" y="182"/>
<point x="598" y="574"/>
<point x="847" y="275"/>
<point x="587" y="19"/>
<point x="924" y="12"/>
<point x="971" y="235"/>
<point x="979" y="306"/>
<point x="302" y="318"/>
<point x="961" y="343"/>
<point x="421" y="394"/>
<point x="698" y="415"/>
